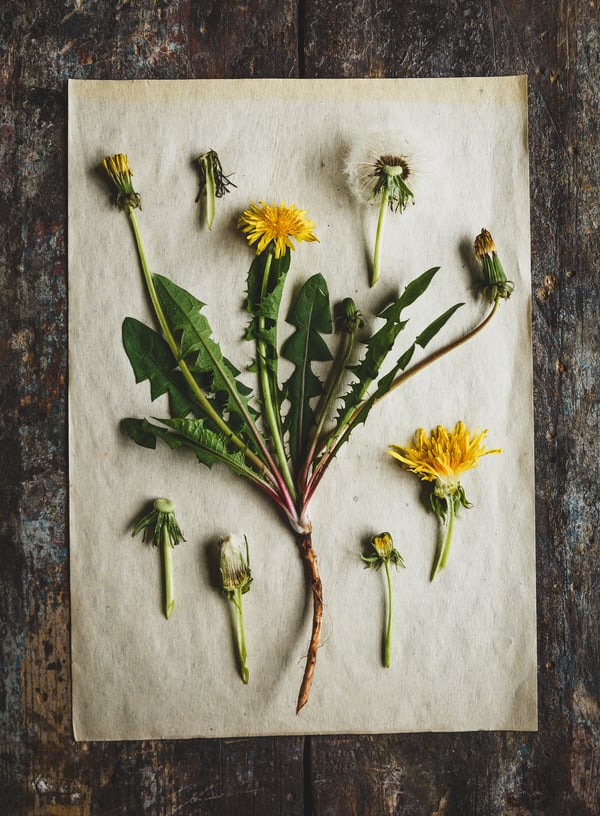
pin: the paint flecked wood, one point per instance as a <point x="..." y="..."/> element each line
<point x="42" y="770"/>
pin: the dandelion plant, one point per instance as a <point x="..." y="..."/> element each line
<point x="283" y="436"/>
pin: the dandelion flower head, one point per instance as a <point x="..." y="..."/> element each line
<point x="377" y="163"/>
<point x="119" y="171"/>
<point x="495" y="285"/>
<point x="443" y="456"/>
<point x="277" y="224"/>
<point x="484" y="244"/>
<point x="120" y="174"/>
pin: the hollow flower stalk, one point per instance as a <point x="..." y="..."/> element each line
<point x="383" y="554"/>
<point x="162" y="528"/>
<point x="441" y="458"/>
<point x="234" y="566"/>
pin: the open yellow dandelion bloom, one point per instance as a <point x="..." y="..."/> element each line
<point x="442" y="458"/>
<point x="278" y="224"/>
<point x="445" y="455"/>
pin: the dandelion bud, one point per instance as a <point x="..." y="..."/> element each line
<point x="234" y="565"/>
<point x="384" y="554"/>
<point x="352" y="317"/>
<point x="383" y="545"/>
<point x="120" y="174"/>
<point x="495" y="284"/>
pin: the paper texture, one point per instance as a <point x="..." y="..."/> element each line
<point x="464" y="647"/>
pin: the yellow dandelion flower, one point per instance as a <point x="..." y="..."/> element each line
<point x="277" y="224"/>
<point x="443" y="456"/>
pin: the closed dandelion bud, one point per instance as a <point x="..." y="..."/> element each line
<point x="495" y="284"/>
<point x="234" y="564"/>
<point x="352" y="317"/>
<point x="120" y="174"/>
<point x="383" y="545"/>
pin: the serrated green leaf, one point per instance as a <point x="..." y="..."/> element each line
<point x="311" y="314"/>
<point x="141" y="436"/>
<point x="430" y="332"/>
<point x="422" y="340"/>
<point x="183" y="314"/>
<point x="263" y="303"/>
<point x="151" y="359"/>
<point x="208" y="446"/>
<point x="266" y="305"/>
<point x="417" y="287"/>
<point x="381" y="343"/>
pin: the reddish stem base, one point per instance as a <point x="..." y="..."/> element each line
<point x="312" y="570"/>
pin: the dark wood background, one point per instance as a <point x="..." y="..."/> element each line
<point x="42" y="770"/>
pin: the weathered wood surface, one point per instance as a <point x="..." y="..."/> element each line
<point x="42" y="771"/>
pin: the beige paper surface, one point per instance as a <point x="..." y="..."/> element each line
<point x="464" y="647"/>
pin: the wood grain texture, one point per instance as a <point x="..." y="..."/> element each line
<point x="42" y="771"/>
<point x="557" y="770"/>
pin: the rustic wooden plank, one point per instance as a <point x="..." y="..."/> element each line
<point x="42" y="770"/>
<point x="556" y="45"/>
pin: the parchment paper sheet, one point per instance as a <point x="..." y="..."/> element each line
<point x="464" y="648"/>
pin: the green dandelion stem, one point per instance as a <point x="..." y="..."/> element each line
<point x="444" y="549"/>
<point x="387" y="650"/>
<point x="211" y="194"/>
<point x="167" y="552"/>
<point x="348" y="424"/>
<point x="432" y="358"/>
<point x="189" y="377"/>
<point x="240" y="636"/>
<point x="271" y="410"/>
<point x="378" y="235"/>
<point x="333" y="393"/>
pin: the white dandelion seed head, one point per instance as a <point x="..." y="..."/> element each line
<point x="366" y="157"/>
